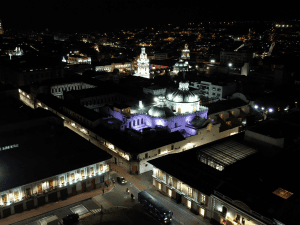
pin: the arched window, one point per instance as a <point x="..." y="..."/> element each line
<point x="134" y="123"/>
<point x="138" y="122"/>
<point x="142" y="121"/>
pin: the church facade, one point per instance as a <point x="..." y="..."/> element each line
<point x="143" y="65"/>
<point x="183" y="65"/>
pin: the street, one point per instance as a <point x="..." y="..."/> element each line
<point x="118" y="207"/>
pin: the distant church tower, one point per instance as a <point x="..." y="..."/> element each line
<point x="143" y="65"/>
<point x="185" y="52"/>
<point x="1" y="29"/>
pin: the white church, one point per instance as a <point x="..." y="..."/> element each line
<point x="143" y="65"/>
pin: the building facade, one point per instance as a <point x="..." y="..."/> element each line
<point x="52" y="189"/>
<point x="143" y="65"/>
<point x="214" y="90"/>
<point x="235" y="57"/>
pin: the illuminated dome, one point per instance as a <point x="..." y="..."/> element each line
<point x="183" y="94"/>
<point x="158" y="111"/>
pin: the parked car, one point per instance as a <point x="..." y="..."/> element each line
<point x="71" y="219"/>
<point x="121" y="180"/>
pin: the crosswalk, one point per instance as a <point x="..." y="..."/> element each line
<point x="95" y="211"/>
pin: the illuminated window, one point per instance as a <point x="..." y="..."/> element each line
<point x="201" y="212"/>
<point x="283" y="193"/>
<point x="92" y="171"/>
<point x="203" y="198"/>
<point x="170" y="181"/>
<point x="101" y="167"/>
<point x="190" y="192"/>
<point x="189" y="204"/>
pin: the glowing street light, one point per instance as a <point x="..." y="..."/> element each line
<point x="230" y="64"/>
<point x="270" y="110"/>
<point x="256" y="106"/>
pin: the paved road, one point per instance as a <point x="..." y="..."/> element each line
<point x="84" y="206"/>
<point x="118" y="208"/>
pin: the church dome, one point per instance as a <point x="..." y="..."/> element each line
<point x="158" y="111"/>
<point x="183" y="94"/>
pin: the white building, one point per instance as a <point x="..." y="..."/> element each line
<point x="66" y="166"/>
<point x="218" y="90"/>
<point x="143" y="65"/>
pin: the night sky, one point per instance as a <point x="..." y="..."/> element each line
<point x="101" y="15"/>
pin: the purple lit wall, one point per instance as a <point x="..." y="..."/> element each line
<point x="142" y="120"/>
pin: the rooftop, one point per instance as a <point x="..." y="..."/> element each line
<point x="220" y="106"/>
<point x="250" y="175"/>
<point x="62" y="151"/>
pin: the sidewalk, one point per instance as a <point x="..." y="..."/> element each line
<point x="52" y="206"/>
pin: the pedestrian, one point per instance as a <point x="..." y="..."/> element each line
<point x="103" y="190"/>
<point x="131" y="196"/>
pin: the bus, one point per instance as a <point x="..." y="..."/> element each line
<point x="155" y="207"/>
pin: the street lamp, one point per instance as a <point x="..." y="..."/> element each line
<point x="229" y="65"/>
<point x="212" y="61"/>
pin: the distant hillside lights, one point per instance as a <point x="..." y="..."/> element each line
<point x="9" y="147"/>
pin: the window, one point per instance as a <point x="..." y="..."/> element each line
<point x="72" y="176"/>
<point x="170" y="181"/>
<point x="190" y="192"/>
<point x="202" y="211"/>
<point x="172" y="147"/>
<point x="101" y="167"/>
<point x="170" y="192"/>
<point x="179" y="186"/>
<point x="146" y="155"/>
<point x="189" y="204"/>
<point x="92" y="171"/>
<point x="203" y="198"/>
<point x="158" y="151"/>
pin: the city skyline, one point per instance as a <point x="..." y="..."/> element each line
<point x="109" y="15"/>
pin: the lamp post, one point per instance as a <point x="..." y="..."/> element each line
<point x="229" y="65"/>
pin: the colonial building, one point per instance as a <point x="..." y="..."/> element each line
<point x="214" y="181"/>
<point x="143" y="65"/>
<point x="171" y="123"/>
<point x="32" y="176"/>
<point x="58" y="87"/>
<point x="79" y="59"/>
